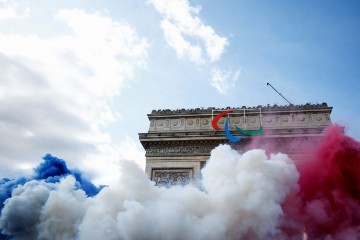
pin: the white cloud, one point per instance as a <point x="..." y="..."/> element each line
<point x="55" y="91"/>
<point x="11" y="9"/>
<point x="128" y="150"/>
<point x="187" y="33"/>
<point x="223" y="80"/>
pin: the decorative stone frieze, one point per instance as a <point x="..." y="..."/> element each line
<point x="292" y="116"/>
<point x="170" y="177"/>
<point x="178" y="150"/>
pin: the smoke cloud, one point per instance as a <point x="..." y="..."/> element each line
<point x="248" y="195"/>
<point x="328" y="203"/>
<point x="56" y="204"/>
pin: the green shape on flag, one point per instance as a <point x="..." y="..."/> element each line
<point x="251" y="133"/>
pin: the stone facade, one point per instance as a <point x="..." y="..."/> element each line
<point x="179" y="142"/>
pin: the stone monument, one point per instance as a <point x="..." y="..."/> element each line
<point x="179" y="142"/>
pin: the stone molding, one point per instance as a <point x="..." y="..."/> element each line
<point x="280" y="144"/>
<point x="307" y="106"/>
<point x="208" y="136"/>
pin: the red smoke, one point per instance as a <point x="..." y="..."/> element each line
<point x="327" y="205"/>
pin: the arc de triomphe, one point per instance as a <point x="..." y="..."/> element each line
<point x="179" y="142"/>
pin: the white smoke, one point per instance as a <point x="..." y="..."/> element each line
<point x="241" y="199"/>
<point x="21" y="212"/>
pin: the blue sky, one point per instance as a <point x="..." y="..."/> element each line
<point x="77" y="78"/>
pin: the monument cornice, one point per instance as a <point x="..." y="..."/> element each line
<point x="268" y="108"/>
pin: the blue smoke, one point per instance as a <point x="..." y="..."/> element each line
<point x="51" y="170"/>
<point x="7" y="186"/>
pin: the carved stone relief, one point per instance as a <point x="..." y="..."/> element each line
<point x="205" y="122"/>
<point x="318" y="117"/>
<point x="252" y="119"/>
<point x="171" y="177"/>
<point x="278" y="119"/>
<point x="175" y="122"/>
<point x="268" y="119"/>
<point x="285" y="118"/>
<point x="178" y="150"/>
<point x="301" y="117"/>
